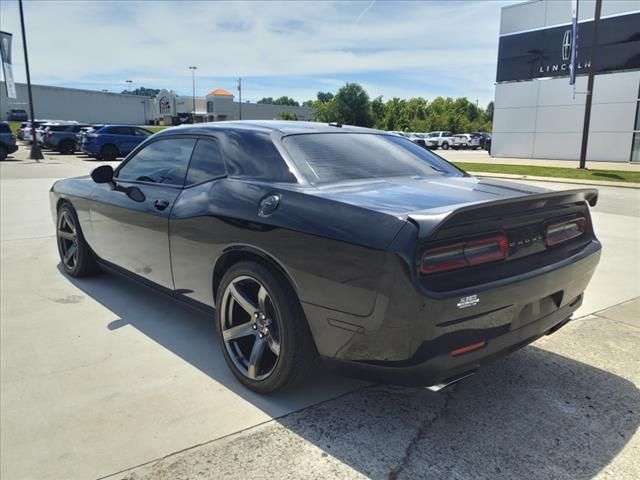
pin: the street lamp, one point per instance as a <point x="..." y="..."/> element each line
<point x="128" y="82"/>
<point x="193" y="77"/>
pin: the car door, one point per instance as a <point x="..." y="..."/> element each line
<point x="129" y="224"/>
<point x="191" y="269"/>
<point x="128" y="139"/>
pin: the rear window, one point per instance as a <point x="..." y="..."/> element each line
<point x="336" y="157"/>
<point x="4" y="128"/>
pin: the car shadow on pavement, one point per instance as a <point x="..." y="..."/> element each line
<point x="534" y="414"/>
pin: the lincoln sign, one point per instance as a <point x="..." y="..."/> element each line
<point x="547" y="52"/>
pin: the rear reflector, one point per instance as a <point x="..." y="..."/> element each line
<point x="468" y="348"/>
<point x="564" y="231"/>
<point x="463" y="254"/>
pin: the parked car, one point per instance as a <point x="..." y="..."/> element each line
<point x="61" y="137"/>
<point x="17" y="115"/>
<point x="439" y="139"/>
<point x="7" y="141"/>
<point x="113" y="141"/>
<point x="83" y="131"/>
<point x="26" y="135"/>
<point x="484" y="138"/>
<point x="464" y="141"/>
<point x="20" y="131"/>
<point x="322" y="239"/>
<point x="418" y="138"/>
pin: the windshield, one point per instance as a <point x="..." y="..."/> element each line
<point x="336" y="157"/>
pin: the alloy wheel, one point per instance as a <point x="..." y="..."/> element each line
<point x="250" y="327"/>
<point x="67" y="239"/>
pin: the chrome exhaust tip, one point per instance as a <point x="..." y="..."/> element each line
<point x="449" y="382"/>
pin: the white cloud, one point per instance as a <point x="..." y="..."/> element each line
<point x="453" y="44"/>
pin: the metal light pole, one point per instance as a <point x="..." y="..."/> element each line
<point x="35" y="153"/>
<point x="193" y="77"/>
<point x="239" y="98"/>
<point x="590" y="80"/>
<point x="128" y="82"/>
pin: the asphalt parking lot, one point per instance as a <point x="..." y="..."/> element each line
<point x="105" y="378"/>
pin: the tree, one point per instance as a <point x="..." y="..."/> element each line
<point x="351" y="106"/>
<point x="280" y="101"/>
<point x="287" y="116"/>
<point x="325" y="97"/>
<point x="488" y="113"/>
<point x="146" y="92"/>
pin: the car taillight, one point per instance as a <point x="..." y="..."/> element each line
<point x="464" y="254"/>
<point x="564" y="231"/>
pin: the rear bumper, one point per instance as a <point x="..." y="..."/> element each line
<point x="12" y="148"/>
<point x="408" y="338"/>
<point x="444" y="368"/>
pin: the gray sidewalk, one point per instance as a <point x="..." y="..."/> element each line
<point x="481" y="156"/>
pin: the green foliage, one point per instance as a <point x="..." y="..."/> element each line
<point x="280" y="101"/>
<point x="287" y="116"/>
<point x="351" y="105"/>
<point x="146" y="92"/>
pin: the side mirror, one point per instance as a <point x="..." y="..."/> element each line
<point x="102" y="174"/>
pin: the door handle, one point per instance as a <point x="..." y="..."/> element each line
<point x="161" y="204"/>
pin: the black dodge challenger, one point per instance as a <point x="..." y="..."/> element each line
<point x="325" y="241"/>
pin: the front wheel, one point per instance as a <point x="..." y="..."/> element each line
<point x="77" y="258"/>
<point x="263" y="331"/>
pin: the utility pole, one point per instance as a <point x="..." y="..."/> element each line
<point x="592" y="71"/>
<point x="239" y="98"/>
<point x="193" y="77"/>
<point x="35" y="153"/>
<point x="128" y="82"/>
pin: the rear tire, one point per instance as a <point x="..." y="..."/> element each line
<point x="3" y="152"/>
<point x="445" y="146"/>
<point x="262" y="329"/>
<point x="67" y="147"/>
<point x="109" y="153"/>
<point x="75" y="254"/>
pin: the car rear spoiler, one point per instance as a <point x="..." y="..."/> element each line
<point x="429" y="220"/>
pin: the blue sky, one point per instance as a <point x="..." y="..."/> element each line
<point x="393" y="48"/>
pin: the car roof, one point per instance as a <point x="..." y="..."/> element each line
<point x="282" y="126"/>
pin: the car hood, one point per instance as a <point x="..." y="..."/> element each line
<point x="400" y="196"/>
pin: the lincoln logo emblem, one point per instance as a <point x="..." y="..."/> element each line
<point x="566" y="45"/>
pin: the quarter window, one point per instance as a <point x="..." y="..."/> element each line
<point x="164" y="161"/>
<point x="206" y="162"/>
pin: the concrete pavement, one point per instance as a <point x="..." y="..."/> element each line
<point x="100" y="376"/>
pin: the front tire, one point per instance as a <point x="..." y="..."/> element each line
<point x="262" y="329"/>
<point x="75" y="255"/>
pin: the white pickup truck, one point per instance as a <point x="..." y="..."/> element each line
<point x="440" y="139"/>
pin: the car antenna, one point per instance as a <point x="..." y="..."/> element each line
<point x="335" y="124"/>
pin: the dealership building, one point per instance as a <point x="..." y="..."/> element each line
<point x="538" y="114"/>
<point x="90" y="106"/>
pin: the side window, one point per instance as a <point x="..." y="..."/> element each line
<point x="164" y="161"/>
<point x="206" y="162"/>
<point x="253" y="155"/>
<point x="141" y="132"/>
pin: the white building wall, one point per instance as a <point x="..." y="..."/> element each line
<point x="541" y="118"/>
<point x="88" y="106"/>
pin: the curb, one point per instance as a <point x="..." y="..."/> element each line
<point x="602" y="183"/>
